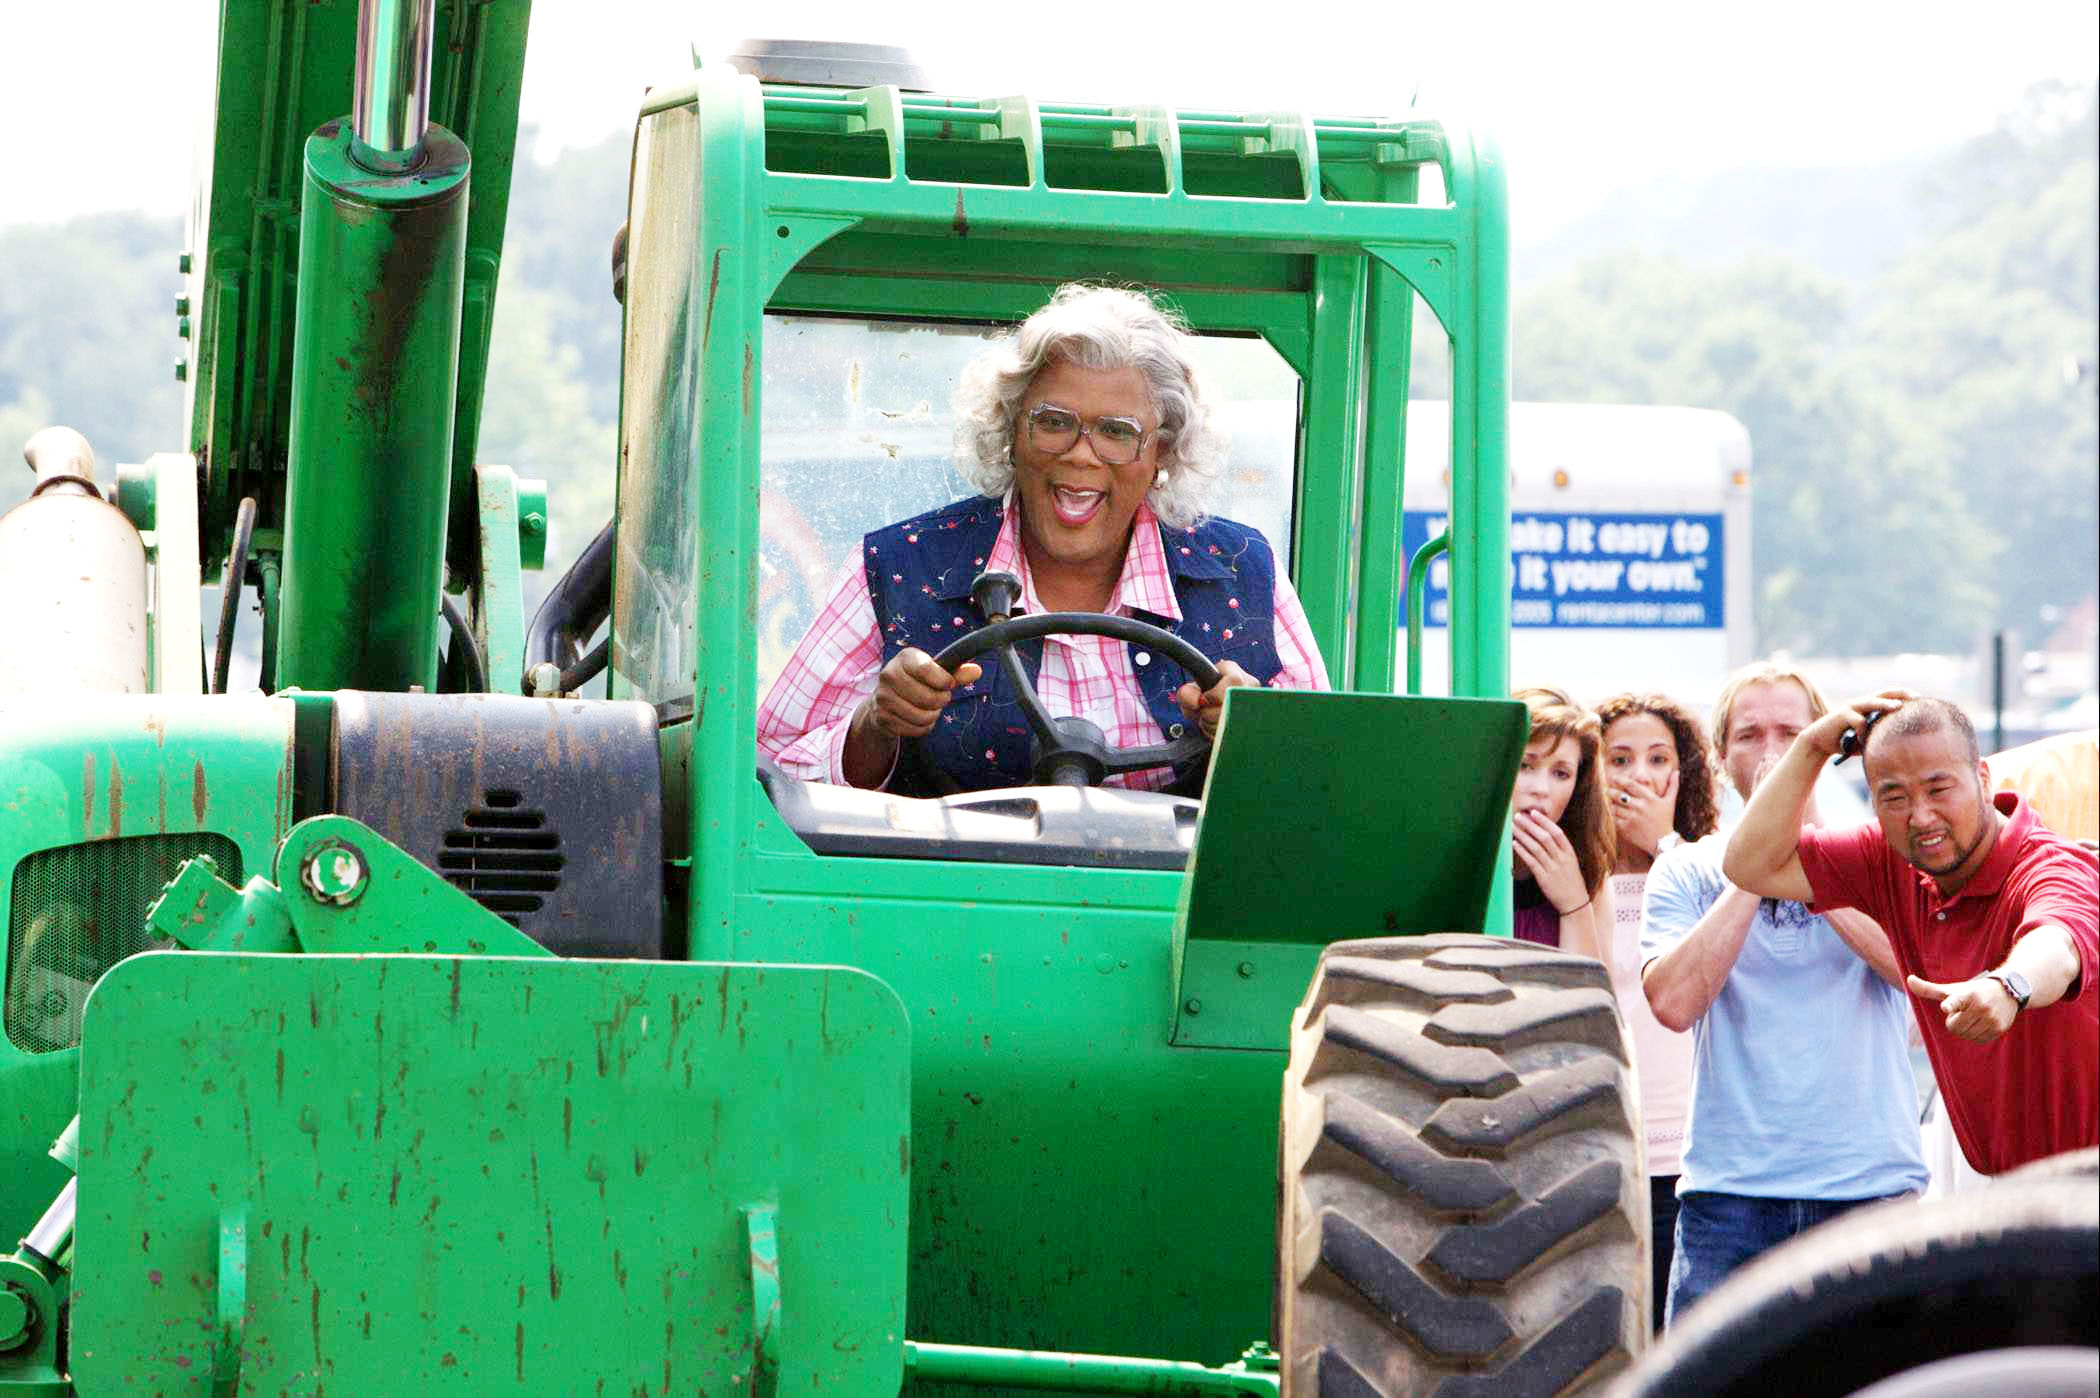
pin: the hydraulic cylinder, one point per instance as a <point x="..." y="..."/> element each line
<point x="382" y="258"/>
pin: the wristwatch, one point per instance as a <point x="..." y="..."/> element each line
<point x="2015" y="985"/>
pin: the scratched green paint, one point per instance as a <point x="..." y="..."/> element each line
<point x="485" y="1174"/>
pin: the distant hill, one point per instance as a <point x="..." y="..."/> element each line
<point x="1847" y="222"/>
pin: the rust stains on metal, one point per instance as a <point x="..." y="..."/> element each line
<point x="200" y="797"/>
<point x="519" y="1345"/>
<point x="568" y="1120"/>
<point x="455" y="997"/>
<point x="87" y="791"/>
<point x="116" y="800"/>
<point x="962" y="219"/>
<point x="747" y="379"/>
<point x="714" y="284"/>
<point x="539" y="1201"/>
<point x="904" y="1155"/>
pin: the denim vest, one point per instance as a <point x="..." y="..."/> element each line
<point x="919" y="574"/>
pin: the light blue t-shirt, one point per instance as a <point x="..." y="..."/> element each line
<point x="1801" y="1077"/>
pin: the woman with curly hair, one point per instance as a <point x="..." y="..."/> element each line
<point x="1660" y="781"/>
<point x="1562" y="837"/>
<point x="1090" y="436"/>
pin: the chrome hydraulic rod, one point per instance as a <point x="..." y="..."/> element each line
<point x="55" y="1229"/>
<point x="390" y="98"/>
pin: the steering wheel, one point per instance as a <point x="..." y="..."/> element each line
<point x="1072" y="751"/>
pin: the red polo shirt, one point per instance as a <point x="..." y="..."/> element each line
<point x="2035" y="1090"/>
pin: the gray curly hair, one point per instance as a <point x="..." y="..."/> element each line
<point x="1095" y="327"/>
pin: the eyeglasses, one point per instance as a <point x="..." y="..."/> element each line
<point x="1118" y="441"/>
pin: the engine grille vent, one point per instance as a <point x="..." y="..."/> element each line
<point x="504" y="856"/>
<point x="76" y="911"/>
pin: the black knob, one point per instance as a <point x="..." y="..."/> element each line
<point x="996" y="595"/>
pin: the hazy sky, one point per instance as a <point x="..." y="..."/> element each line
<point x="1582" y="98"/>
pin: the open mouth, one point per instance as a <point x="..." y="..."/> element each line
<point x="1074" y="506"/>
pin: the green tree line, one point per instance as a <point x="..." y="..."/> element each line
<point x="1925" y="455"/>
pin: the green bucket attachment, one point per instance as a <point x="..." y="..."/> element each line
<point x="392" y="1174"/>
<point x="1329" y="817"/>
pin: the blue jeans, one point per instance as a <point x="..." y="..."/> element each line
<point x="1717" y="1233"/>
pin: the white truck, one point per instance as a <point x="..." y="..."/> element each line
<point x="1629" y="546"/>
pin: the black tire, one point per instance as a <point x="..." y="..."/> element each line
<point x="1893" y="1289"/>
<point x="1462" y="1206"/>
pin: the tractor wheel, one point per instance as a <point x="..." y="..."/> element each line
<point x="1462" y="1204"/>
<point x="1993" y="1286"/>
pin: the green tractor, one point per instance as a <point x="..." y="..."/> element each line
<point x="453" y="1033"/>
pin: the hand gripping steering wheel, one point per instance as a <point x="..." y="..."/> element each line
<point x="1072" y="751"/>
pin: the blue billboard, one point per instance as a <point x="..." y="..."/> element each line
<point x="1595" y="569"/>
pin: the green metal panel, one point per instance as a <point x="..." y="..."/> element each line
<point x="1398" y="803"/>
<point x="463" y="1175"/>
<point x="503" y="522"/>
<point x="728" y="270"/>
<point x="1330" y="473"/>
<point x="1381" y="564"/>
<point x="1480" y="577"/>
<point x="104" y="771"/>
<point x="1079" y="1182"/>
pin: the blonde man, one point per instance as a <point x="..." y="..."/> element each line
<point x="1802" y="1101"/>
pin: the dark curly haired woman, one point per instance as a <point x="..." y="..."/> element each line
<point x="1659" y="783"/>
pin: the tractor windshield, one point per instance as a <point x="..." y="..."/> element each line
<point x="858" y="432"/>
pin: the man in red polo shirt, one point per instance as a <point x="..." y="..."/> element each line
<point x="1994" y="920"/>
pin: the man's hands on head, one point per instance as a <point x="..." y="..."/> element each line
<point x="1978" y="1010"/>
<point x="1825" y="735"/>
<point x="1763" y="855"/>
<point x="1206" y="706"/>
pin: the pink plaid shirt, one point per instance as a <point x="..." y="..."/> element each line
<point x="802" y="724"/>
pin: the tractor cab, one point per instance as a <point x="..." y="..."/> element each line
<point x="808" y="269"/>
